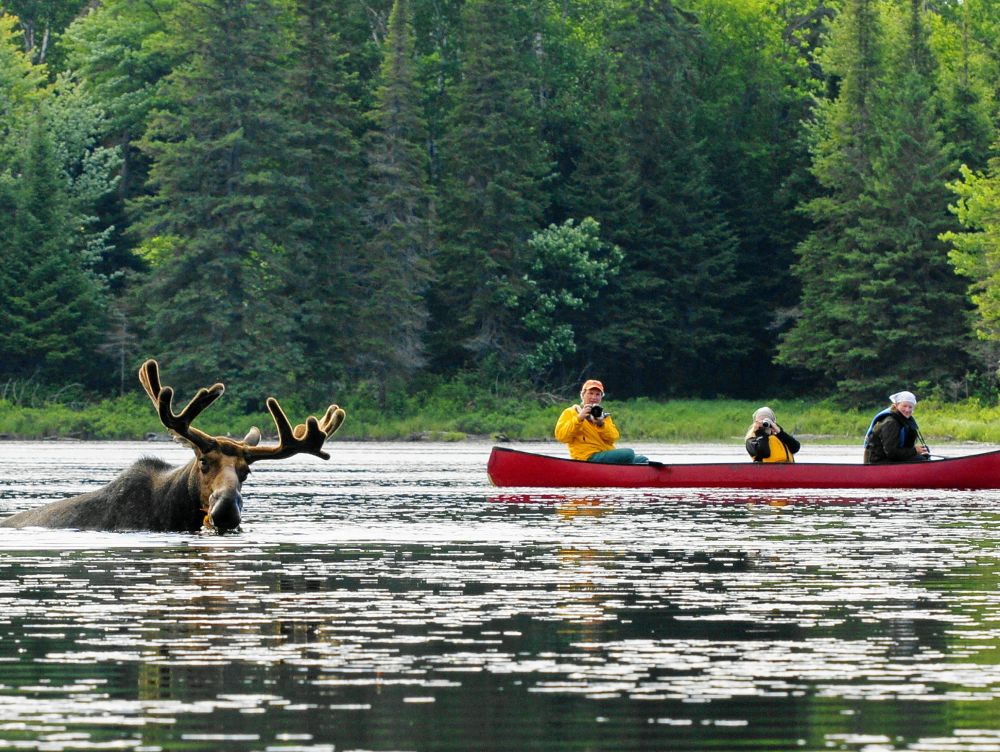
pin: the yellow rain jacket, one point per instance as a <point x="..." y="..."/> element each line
<point x="584" y="438"/>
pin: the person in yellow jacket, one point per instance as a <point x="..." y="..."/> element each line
<point x="589" y="431"/>
<point x="767" y="441"/>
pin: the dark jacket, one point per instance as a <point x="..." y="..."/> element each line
<point x="758" y="447"/>
<point x="892" y="440"/>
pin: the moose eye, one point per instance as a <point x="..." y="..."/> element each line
<point x="204" y="465"/>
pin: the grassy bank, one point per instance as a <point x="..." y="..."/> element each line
<point x="440" y="417"/>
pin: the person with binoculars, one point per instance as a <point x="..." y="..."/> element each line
<point x="767" y="441"/>
<point x="590" y="432"/>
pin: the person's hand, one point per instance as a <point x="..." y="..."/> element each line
<point x="922" y="450"/>
<point x="584" y="413"/>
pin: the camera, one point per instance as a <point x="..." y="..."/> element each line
<point x="596" y="411"/>
<point x="766" y="424"/>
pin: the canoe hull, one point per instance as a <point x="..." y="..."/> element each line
<point x="510" y="468"/>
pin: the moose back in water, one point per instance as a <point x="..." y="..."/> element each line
<point x="152" y="495"/>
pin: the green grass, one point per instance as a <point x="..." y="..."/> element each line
<point x="452" y="417"/>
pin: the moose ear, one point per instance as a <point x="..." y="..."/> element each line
<point x="253" y="437"/>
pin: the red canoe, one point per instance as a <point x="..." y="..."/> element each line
<point x="513" y="468"/>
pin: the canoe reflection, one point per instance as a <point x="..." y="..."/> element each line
<point x="594" y="504"/>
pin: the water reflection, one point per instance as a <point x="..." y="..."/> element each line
<point x="392" y="600"/>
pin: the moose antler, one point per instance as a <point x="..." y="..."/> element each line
<point x="305" y="438"/>
<point x="179" y="423"/>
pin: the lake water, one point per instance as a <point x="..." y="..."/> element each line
<point x="391" y="599"/>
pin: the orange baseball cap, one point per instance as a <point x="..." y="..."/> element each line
<point x="591" y="384"/>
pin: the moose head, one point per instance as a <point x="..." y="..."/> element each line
<point x="151" y="495"/>
<point x="222" y="464"/>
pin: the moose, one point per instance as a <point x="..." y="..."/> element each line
<point x="153" y="495"/>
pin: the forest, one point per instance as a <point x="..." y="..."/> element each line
<point x="697" y="199"/>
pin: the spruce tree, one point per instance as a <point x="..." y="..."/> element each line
<point x="678" y="307"/>
<point x="965" y="92"/>
<point x="324" y="158"/>
<point x="890" y="312"/>
<point x="831" y="266"/>
<point x="914" y="305"/>
<point x="216" y="303"/>
<point x="494" y="162"/>
<point x="603" y="180"/>
<point x="755" y="86"/>
<point x="53" y="306"/>
<point x="396" y="268"/>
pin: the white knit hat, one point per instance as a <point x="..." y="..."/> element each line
<point x="903" y="397"/>
<point x="762" y="413"/>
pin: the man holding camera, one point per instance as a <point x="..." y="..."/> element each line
<point x="767" y="441"/>
<point x="590" y="433"/>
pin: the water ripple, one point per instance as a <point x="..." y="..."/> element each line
<point x="392" y="600"/>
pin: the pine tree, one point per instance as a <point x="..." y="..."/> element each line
<point x="216" y="303"/>
<point x="399" y="217"/>
<point x="494" y="163"/>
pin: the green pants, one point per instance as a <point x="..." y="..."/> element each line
<point x="618" y="457"/>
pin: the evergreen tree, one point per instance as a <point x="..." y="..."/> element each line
<point x="918" y="308"/>
<point x="325" y="160"/>
<point x="890" y="311"/>
<point x="399" y="217"/>
<point x="831" y="267"/>
<point x="216" y="303"/>
<point x="755" y="86"/>
<point x="492" y="194"/>
<point x="52" y="173"/>
<point x="53" y="306"/>
<point x="678" y="307"/>
<point x="603" y="182"/>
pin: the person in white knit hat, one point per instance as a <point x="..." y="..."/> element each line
<point x="893" y="433"/>
<point x="766" y="441"/>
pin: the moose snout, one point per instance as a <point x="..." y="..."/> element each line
<point x="225" y="510"/>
